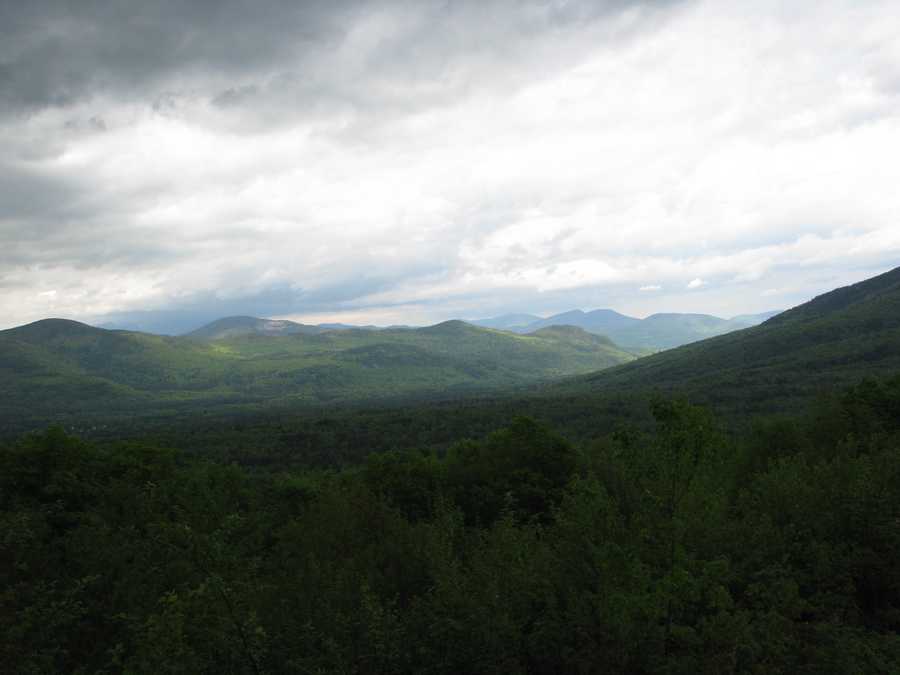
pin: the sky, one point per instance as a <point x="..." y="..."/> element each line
<point x="164" y="164"/>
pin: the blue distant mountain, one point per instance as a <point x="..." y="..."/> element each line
<point x="658" y="331"/>
<point x="237" y="326"/>
<point x="507" y="321"/>
<point x="601" y="321"/>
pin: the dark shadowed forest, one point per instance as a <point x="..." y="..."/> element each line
<point x="680" y="547"/>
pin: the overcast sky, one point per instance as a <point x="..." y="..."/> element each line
<point x="166" y="163"/>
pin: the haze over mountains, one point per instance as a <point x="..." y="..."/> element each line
<point x="657" y="331"/>
<point x="237" y="326"/>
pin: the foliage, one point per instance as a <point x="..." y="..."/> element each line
<point x="673" y="547"/>
<point x="57" y="370"/>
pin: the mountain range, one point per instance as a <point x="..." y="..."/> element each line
<point x="53" y="368"/>
<point x="58" y="366"/>
<point x="237" y="326"/>
<point x="657" y="331"/>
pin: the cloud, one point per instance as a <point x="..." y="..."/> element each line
<point x="321" y="56"/>
<point x="415" y="161"/>
<point x="696" y="283"/>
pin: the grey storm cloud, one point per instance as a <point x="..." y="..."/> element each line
<point x="54" y="54"/>
<point x="405" y="161"/>
<point x="30" y="195"/>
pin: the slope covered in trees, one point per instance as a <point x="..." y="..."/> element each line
<point x="676" y="550"/>
<point x="54" y="368"/>
<point x="834" y="339"/>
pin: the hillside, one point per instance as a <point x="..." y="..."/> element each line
<point x="52" y="368"/>
<point x="664" y="331"/>
<point x="834" y="339"/>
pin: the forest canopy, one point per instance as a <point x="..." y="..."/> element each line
<point x="682" y="548"/>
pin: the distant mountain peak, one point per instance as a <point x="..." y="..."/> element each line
<point x="603" y="312"/>
<point x="49" y="328"/>
<point x="600" y="321"/>
<point x="512" y="321"/>
<point x="452" y="326"/>
<point x="238" y="326"/>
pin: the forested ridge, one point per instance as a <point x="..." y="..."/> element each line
<point x="677" y="548"/>
<point x="58" y="371"/>
<point x="833" y="340"/>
